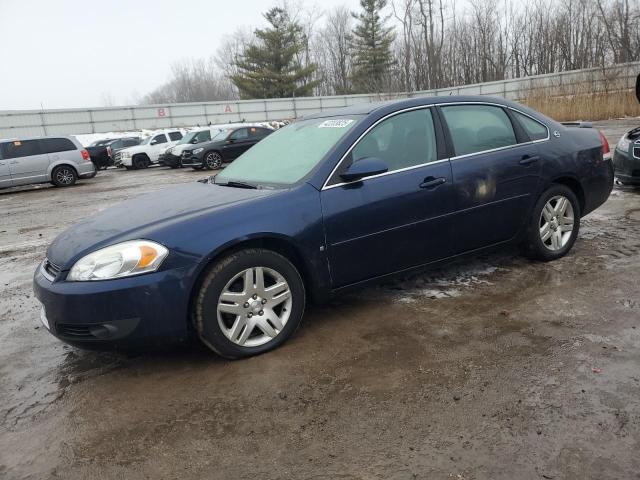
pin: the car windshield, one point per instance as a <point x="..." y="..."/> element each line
<point x="289" y="154"/>
<point x="145" y="141"/>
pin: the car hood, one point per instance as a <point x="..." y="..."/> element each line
<point x="142" y="216"/>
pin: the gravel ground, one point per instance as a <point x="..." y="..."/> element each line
<point x="497" y="368"/>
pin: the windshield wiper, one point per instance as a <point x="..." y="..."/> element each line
<point x="235" y="184"/>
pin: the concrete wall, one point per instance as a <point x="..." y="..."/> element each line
<point x="79" y="121"/>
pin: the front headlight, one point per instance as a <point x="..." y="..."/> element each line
<point x="197" y="151"/>
<point x="120" y="260"/>
<point x="126" y="154"/>
<point x="623" y="144"/>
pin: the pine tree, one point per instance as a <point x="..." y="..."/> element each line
<point x="371" y="47"/>
<point x="269" y="68"/>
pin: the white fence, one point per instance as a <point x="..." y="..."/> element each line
<point x="77" y="121"/>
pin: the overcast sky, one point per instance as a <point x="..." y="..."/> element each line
<point x="70" y="53"/>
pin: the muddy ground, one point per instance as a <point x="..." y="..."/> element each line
<point x="497" y="368"/>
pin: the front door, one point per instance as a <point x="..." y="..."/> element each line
<point x="238" y="142"/>
<point x="27" y="162"/>
<point x="396" y="220"/>
<point x="496" y="171"/>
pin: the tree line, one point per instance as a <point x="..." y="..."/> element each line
<point x="406" y="45"/>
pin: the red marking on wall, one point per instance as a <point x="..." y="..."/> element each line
<point x="227" y="109"/>
<point x="162" y="112"/>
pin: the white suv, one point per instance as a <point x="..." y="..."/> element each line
<point x="147" y="153"/>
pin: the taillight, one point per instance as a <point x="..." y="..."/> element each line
<point x="85" y="154"/>
<point x="606" y="151"/>
<point x="109" y="151"/>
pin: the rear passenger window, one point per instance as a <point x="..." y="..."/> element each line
<point x="53" y="145"/>
<point x="476" y="128"/>
<point x="403" y="140"/>
<point x="535" y="129"/>
<point x="175" y="136"/>
<point x="20" y="148"/>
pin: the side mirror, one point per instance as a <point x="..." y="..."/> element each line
<point x="365" y="167"/>
<point x="230" y="140"/>
<point x="153" y="142"/>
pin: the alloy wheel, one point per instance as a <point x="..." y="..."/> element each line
<point x="556" y="223"/>
<point x="254" y="306"/>
<point x="213" y="160"/>
<point x="64" y="176"/>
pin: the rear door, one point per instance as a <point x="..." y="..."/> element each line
<point x="496" y="173"/>
<point x="5" y="175"/>
<point x="396" y="220"/>
<point x="27" y="162"/>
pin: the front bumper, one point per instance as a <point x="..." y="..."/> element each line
<point x="191" y="161"/>
<point x="128" y="311"/>
<point x="626" y="165"/>
<point x="169" y="159"/>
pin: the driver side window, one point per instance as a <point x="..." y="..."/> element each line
<point x="401" y="141"/>
<point x="239" y="134"/>
<point x="159" y="139"/>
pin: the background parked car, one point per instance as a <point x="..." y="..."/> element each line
<point x="148" y="151"/>
<point x="224" y="147"/>
<point x="170" y="157"/>
<point x="59" y="160"/>
<point x="103" y="151"/>
<point x="626" y="156"/>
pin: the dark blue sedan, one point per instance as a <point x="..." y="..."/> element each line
<point x="325" y="204"/>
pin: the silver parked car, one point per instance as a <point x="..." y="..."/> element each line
<point x="59" y="160"/>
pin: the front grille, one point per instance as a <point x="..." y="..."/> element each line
<point x="50" y="269"/>
<point x="186" y="153"/>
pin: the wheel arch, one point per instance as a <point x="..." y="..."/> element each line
<point x="575" y="186"/>
<point x="60" y="163"/>
<point x="281" y="244"/>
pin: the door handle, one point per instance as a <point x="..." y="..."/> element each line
<point x="529" y="159"/>
<point x="432" y="182"/>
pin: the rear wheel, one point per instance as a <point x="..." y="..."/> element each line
<point x="63" y="176"/>
<point x="554" y="225"/>
<point x="250" y="302"/>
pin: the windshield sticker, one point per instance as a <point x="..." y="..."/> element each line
<point x="335" y="123"/>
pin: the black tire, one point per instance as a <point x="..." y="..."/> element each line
<point x="212" y="160"/>
<point x="174" y="166"/>
<point x="64" y="176"/>
<point x="140" y="162"/>
<point x="205" y="311"/>
<point x="198" y="168"/>
<point x="534" y="246"/>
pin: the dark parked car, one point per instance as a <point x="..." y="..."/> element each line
<point x="328" y="203"/>
<point x="224" y="147"/>
<point x="102" y="152"/>
<point x="626" y="156"/>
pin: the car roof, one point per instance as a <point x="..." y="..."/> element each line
<point x="392" y="105"/>
<point x="22" y="139"/>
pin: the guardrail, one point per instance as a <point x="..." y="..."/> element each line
<point x="77" y="121"/>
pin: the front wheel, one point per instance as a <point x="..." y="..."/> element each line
<point x="554" y="225"/>
<point x="212" y="161"/>
<point x="64" y="176"/>
<point x="250" y="302"/>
